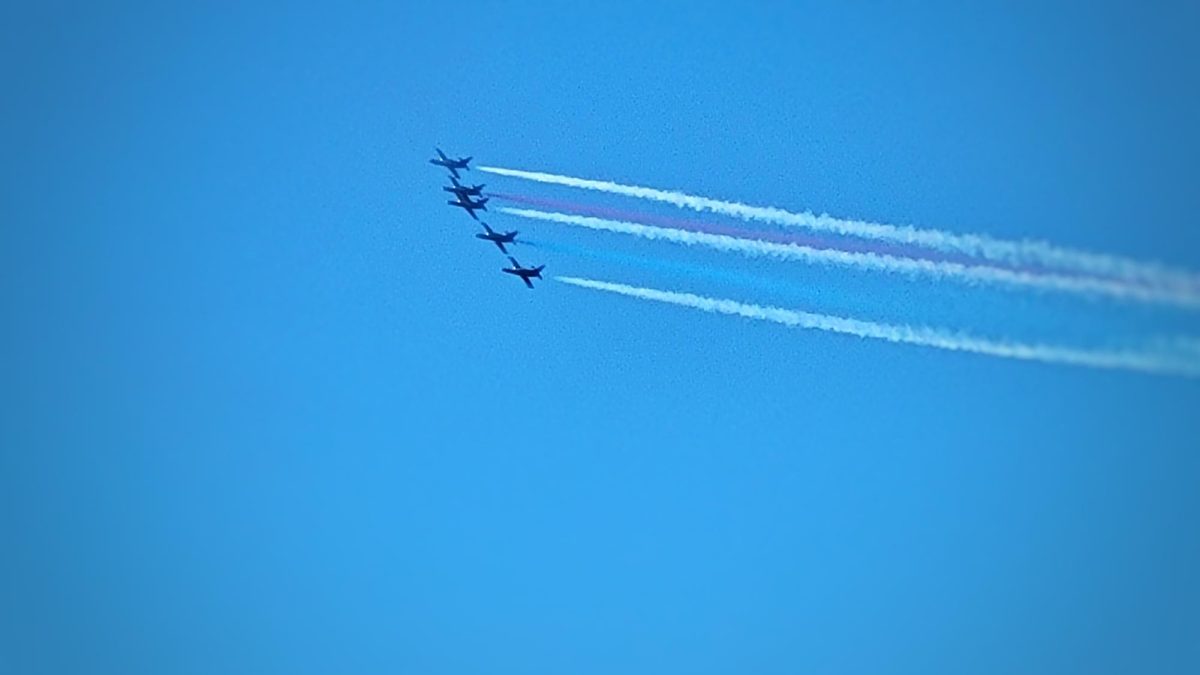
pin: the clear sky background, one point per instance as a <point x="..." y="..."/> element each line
<point x="269" y="408"/>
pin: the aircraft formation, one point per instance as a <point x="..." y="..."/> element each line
<point x="470" y="199"/>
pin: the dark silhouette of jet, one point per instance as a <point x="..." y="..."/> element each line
<point x="461" y="190"/>
<point x="497" y="238"/>
<point x="452" y="164"/>
<point x="466" y="204"/>
<point x="526" y="273"/>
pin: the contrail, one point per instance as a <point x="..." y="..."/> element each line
<point x="914" y="335"/>
<point x="1022" y="252"/>
<point x="872" y="261"/>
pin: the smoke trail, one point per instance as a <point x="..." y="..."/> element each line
<point x="872" y="261"/>
<point x="842" y="244"/>
<point x="1022" y="252"/>
<point x="914" y="335"/>
<point x="728" y="275"/>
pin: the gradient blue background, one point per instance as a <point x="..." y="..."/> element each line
<point x="269" y="409"/>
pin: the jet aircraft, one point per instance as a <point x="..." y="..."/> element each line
<point x="452" y="164"/>
<point x="526" y="273"/>
<point x="498" y="238"/>
<point x="461" y="190"/>
<point x="469" y="205"/>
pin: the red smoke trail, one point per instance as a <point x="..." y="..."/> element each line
<point x="815" y="242"/>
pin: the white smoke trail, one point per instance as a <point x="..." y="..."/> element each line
<point x="1142" y="361"/>
<point x="1010" y="252"/>
<point x="871" y="261"/>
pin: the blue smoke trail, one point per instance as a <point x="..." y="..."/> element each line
<point x="1099" y="329"/>
<point x="670" y="266"/>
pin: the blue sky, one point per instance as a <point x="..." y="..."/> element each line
<point x="270" y="408"/>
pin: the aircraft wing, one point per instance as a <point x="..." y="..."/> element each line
<point x="527" y="281"/>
